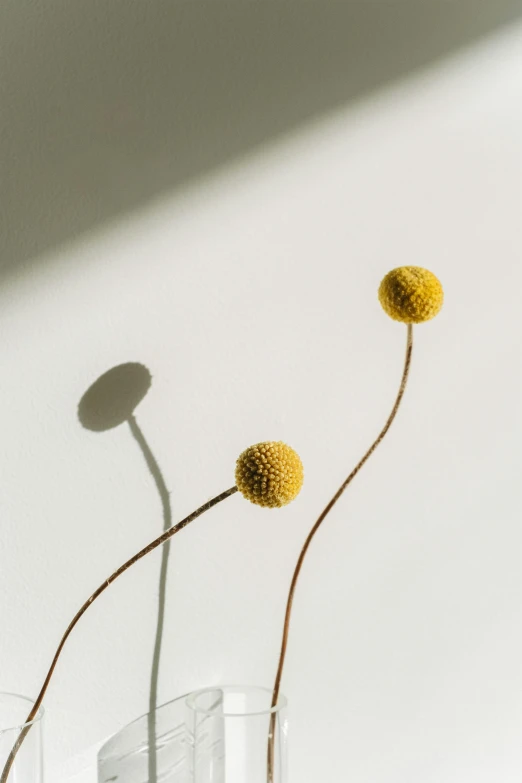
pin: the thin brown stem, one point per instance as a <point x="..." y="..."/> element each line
<point x="166" y="536"/>
<point x="309" y="539"/>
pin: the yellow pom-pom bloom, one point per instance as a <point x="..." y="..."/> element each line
<point x="269" y="474"/>
<point x="411" y="294"/>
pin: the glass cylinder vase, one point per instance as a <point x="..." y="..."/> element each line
<point x="151" y="749"/>
<point x="228" y="731"/>
<point x="27" y="766"/>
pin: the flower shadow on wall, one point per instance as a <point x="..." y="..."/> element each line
<point x="109" y="402"/>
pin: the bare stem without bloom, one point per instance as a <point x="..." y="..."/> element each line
<point x="166" y="536"/>
<point x="304" y="550"/>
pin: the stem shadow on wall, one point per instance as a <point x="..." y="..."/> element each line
<point x="109" y="402"/>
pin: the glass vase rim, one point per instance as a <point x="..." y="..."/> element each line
<point x="112" y="739"/>
<point x="37" y="718"/>
<point x="282" y="701"/>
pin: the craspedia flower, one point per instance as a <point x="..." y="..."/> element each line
<point x="411" y="294"/>
<point x="269" y="474"/>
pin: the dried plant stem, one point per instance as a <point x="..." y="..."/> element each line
<point x="304" y="550"/>
<point x="166" y="536"/>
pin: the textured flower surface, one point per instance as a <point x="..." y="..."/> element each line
<point x="269" y="474"/>
<point x="411" y="294"/>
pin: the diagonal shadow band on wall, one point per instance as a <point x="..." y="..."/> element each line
<point x="107" y="105"/>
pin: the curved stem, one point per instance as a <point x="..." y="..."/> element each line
<point x="310" y="537"/>
<point x="145" y="551"/>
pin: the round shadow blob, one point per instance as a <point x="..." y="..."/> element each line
<point x="112" y="399"/>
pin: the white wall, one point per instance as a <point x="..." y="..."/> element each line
<point x="251" y="297"/>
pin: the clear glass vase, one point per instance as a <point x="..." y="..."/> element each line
<point x="227" y="736"/>
<point x="151" y="749"/>
<point x="28" y="764"/>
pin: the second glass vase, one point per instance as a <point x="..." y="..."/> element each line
<point x="28" y="763"/>
<point x="228" y="734"/>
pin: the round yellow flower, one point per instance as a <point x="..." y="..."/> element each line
<point x="411" y="294"/>
<point x="269" y="474"/>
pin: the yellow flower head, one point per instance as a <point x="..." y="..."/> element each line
<point x="411" y="294"/>
<point x="269" y="474"/>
